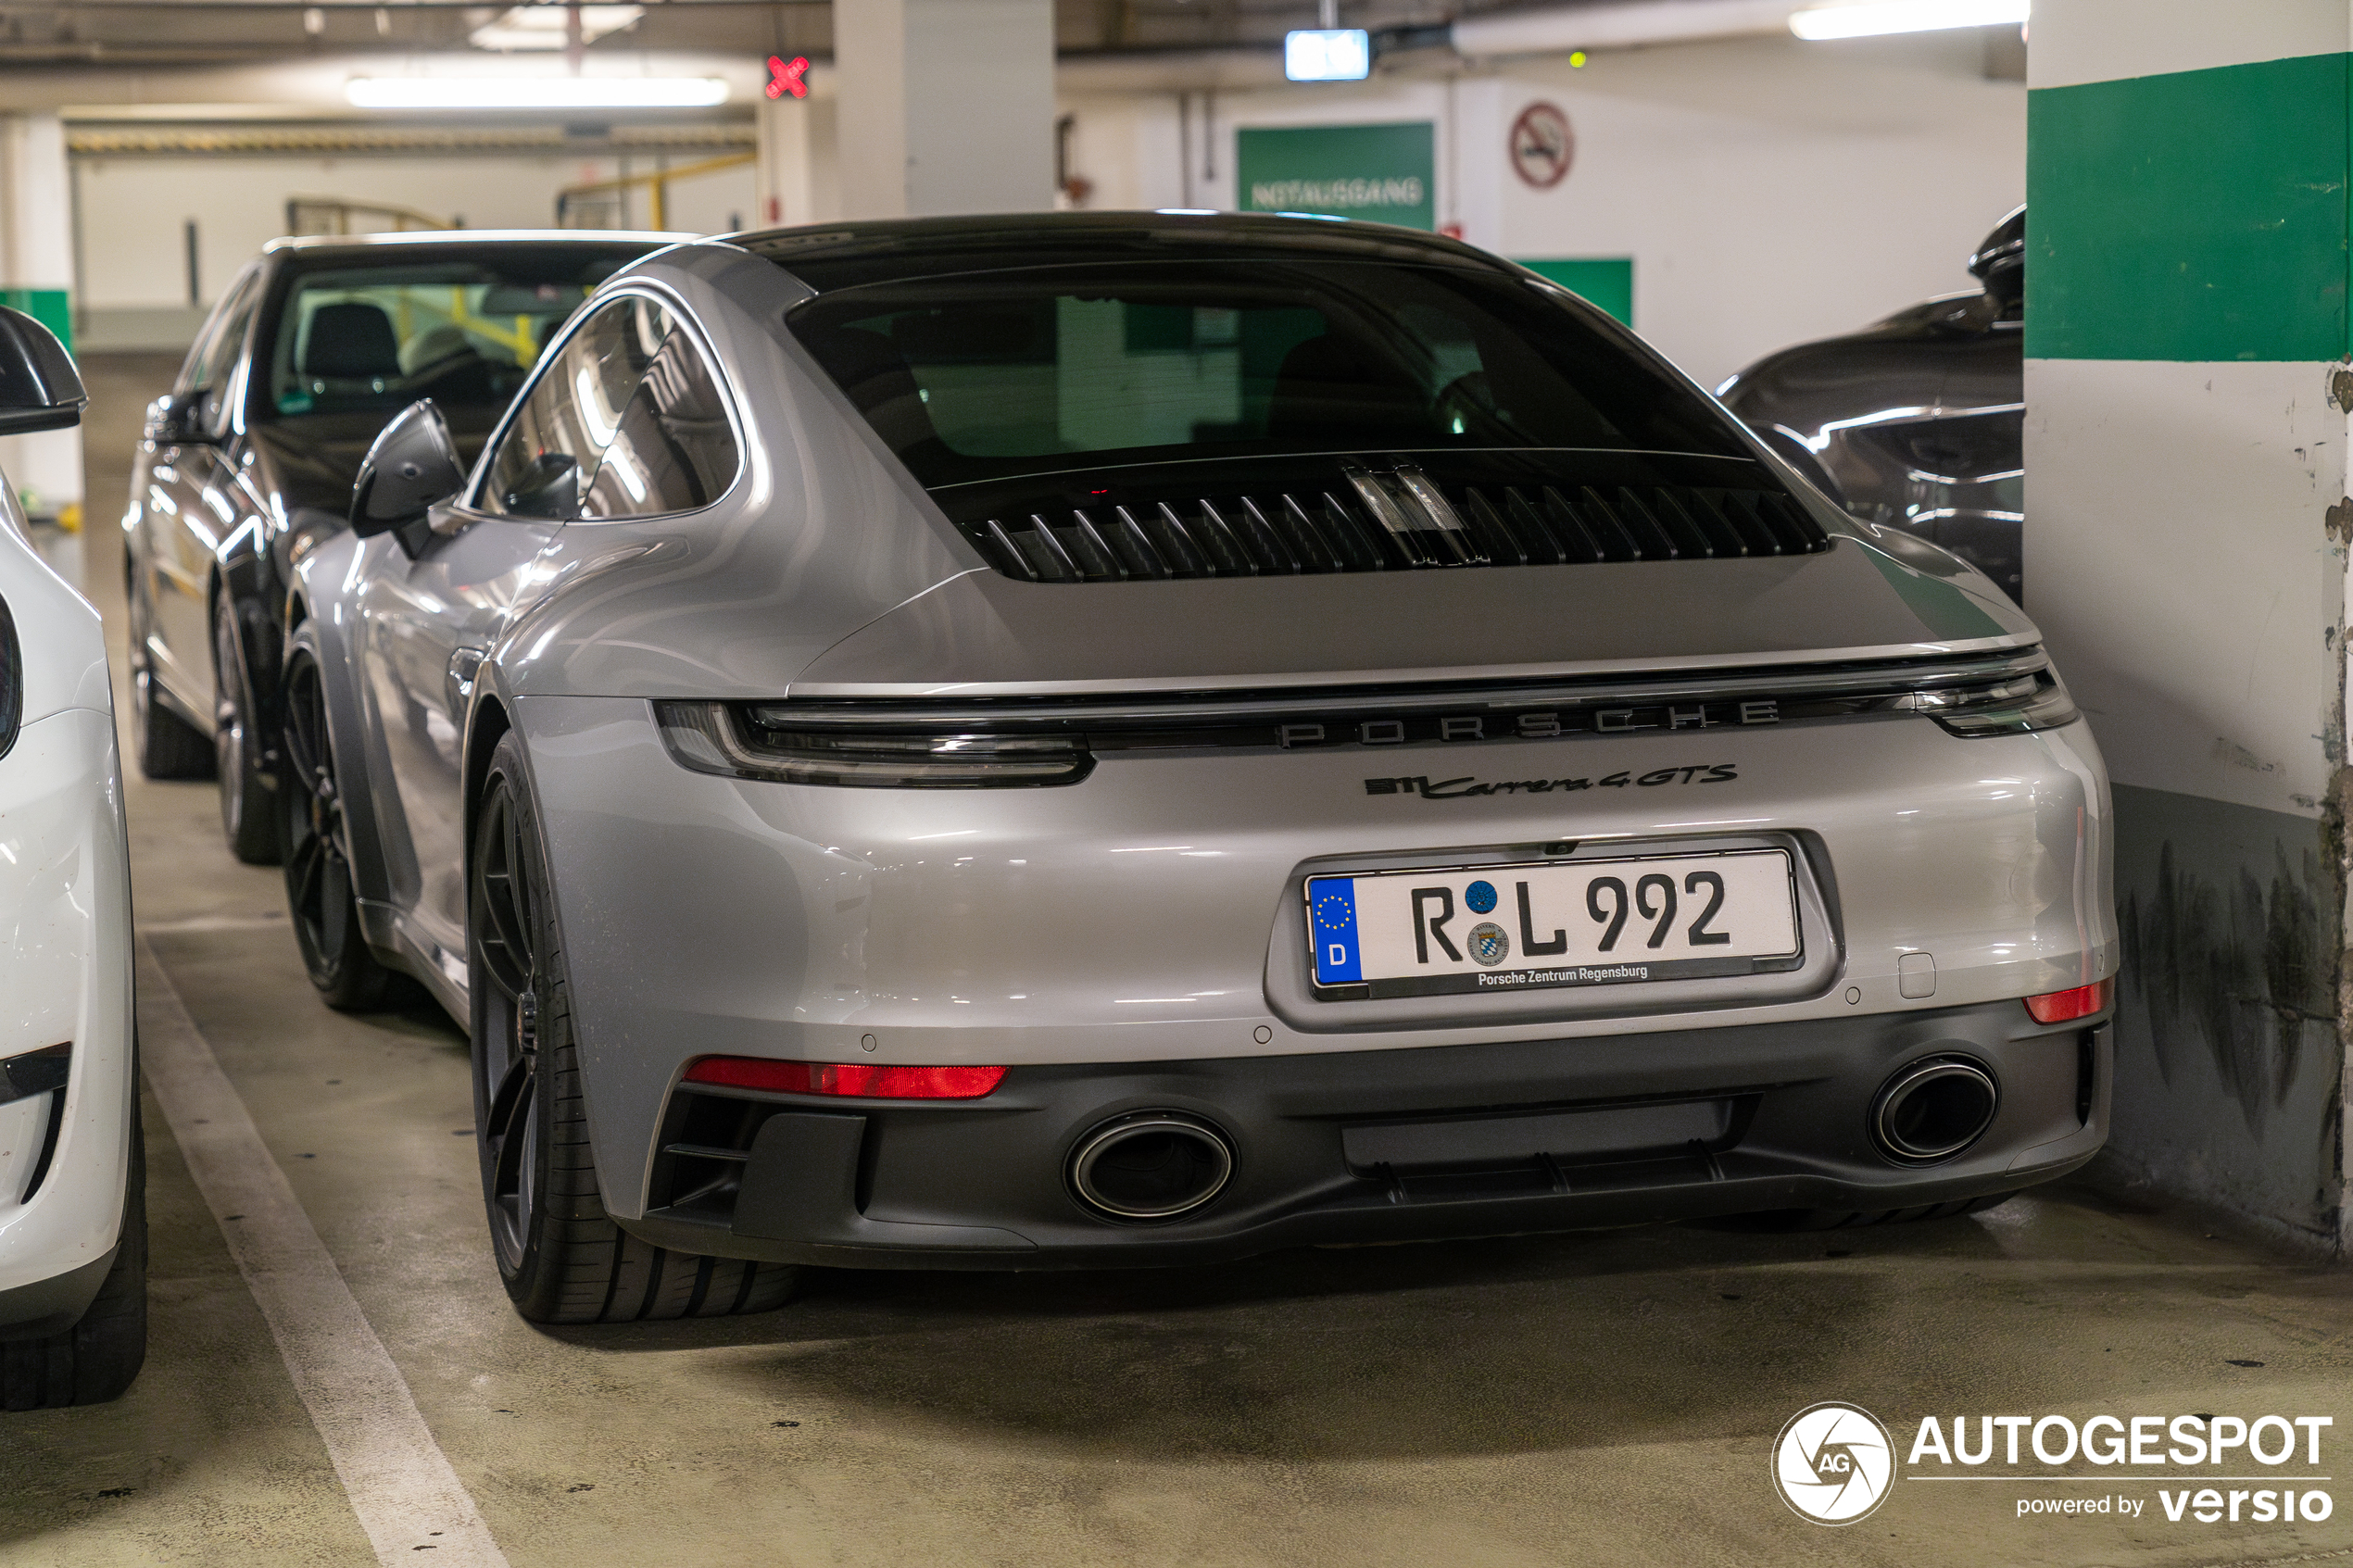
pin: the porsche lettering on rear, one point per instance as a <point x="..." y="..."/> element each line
<point x="1534" y="724"/>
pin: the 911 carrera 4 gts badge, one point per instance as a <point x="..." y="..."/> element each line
<point x="1467" y="786"/>
<point x="1488" y="944"/>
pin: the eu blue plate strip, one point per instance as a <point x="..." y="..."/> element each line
<point x="1331" y="905"/>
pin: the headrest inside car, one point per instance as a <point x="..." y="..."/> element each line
<point x="877" y="379"/>
<point x="1330" y="389"/>
<point x="352" y="340"/>
<point x="433" y="347"/>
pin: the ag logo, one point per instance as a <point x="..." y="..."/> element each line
<point x="1832" y="1464"/>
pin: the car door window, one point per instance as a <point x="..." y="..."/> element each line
<point x="674" y="449"/>
<point x="557" y="438"/>
<point x="214" y="359"/>
<point x="214" y="344"/>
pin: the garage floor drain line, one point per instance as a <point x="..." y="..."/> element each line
<point x="399" y="1481"/>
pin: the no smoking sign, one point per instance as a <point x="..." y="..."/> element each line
<point x="1542" y="145"/>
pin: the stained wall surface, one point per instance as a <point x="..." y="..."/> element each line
<point x="2185" y="469"/>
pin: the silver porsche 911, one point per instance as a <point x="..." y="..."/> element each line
<point x="1122" y="738"/>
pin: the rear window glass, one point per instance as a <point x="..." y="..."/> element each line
<point x="990" y="375"/>
<point x="375" y="339"/>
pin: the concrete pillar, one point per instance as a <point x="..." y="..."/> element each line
<point x="2187" y="390"/>
<point x="799" y="174"/>
<point x="946" y="106"/>
<point x="1474" y="167"/>
<point x="36" y="276"/>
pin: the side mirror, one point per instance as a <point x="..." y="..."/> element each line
<point x="412" y="467"/>
<point x="39" y="387"/>
<point x="1999" y="261"/>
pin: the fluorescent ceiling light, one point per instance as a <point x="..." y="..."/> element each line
<point x="1875" y="16"/>
<point x="542" y="27"/>
<point x="536" y="92"/>
<point x="1333" y="53"/>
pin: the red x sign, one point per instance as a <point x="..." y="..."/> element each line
<point x="788" y="76"/>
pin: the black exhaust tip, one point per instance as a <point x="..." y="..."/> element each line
<point x="1933" y="1108"/>
<point x="1151" y="1165"/>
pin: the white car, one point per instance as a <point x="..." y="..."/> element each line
<point x="73" y="1226"/>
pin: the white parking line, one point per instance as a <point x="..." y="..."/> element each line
<point x="400" y="1484"/>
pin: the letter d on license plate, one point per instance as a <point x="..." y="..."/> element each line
<point x="1553" y="924"/>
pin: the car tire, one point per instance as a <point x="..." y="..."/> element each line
<point x="560" y="1255"/>
<point x="245" y="788"/>
<point x="97" y="1359"/>
<point x="321" y="897"/>
<point x="165" y="745"/>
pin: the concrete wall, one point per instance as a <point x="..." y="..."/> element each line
<point x="130" y="239"/>
<point x="1768" y="191"/>
<point x="36" y="266"/>
<point x="2186" y="435"/>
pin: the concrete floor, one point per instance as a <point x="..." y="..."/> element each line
<point x="1600" y="1398"/>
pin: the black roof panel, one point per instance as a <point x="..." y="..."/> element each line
<point x="836" y="256"/>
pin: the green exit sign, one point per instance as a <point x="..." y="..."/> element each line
<point x="1381" y="173"/>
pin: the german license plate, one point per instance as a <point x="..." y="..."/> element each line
<point x="1555" y="924"/>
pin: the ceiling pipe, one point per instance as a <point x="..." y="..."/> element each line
<point x="313" y="87"/>
<point x="1619" y="26"/>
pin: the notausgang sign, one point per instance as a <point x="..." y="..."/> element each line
<point x="1384" y="173"/>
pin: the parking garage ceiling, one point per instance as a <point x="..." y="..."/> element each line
<point x="162" y="34"/>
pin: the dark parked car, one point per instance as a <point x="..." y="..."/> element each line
<point x="1915" y="422"/>
<point x="249" y="459"/>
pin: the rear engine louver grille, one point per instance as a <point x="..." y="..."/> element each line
<point x="1394" y="522"/>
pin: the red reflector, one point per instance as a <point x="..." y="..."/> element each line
<point x="845" y="1078"/>
<point x="2082" y="1002"/>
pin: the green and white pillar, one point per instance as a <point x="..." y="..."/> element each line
<point x="36" y="276"/>
<point x="2187" y="391"/>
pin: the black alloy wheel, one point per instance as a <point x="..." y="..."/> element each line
<point x="560" y="1254"/>
<point x="506" y="1007"/>
<point x="246" y="787"/>
<point x="320" y="895"/>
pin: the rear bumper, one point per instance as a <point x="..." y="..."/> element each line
<point x="1479" y="1139"/>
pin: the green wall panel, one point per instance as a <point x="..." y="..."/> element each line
<point x="52" y="307"/>
<point x="1605" y="281"/>
<point x="2197" y="216"/>
<point x="1385" y="173"/>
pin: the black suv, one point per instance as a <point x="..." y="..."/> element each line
<point x="250" y="458"/>
<point x="1917" y="422"/>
